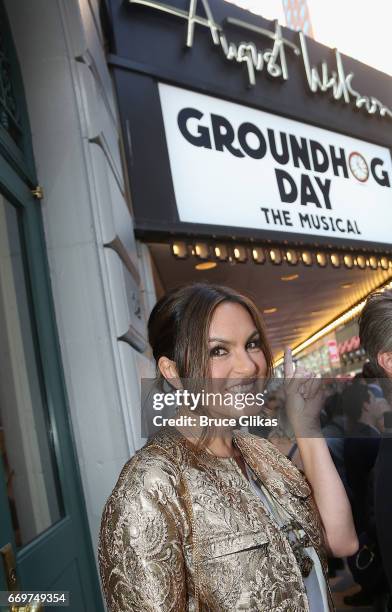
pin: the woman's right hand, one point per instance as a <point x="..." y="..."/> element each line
<point x="304" y="398"/>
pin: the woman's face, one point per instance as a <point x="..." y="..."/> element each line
<point x="237" y="362"/>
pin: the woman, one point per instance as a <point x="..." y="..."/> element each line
<point x="220" y="520"/>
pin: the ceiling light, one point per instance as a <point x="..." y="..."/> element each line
<point x="335" y="260"/>
<point x="321" y="259"/>
<point x="306" y="258"/>
<point x="275" y="256"/>
<point x="202" y="250"/>
<point x="258" y="255"/>
<point x="179" y="250"/>
<point x="384" y="263"/>
<point x="221" y="252"/>
<point x="372" y="262"/>
<point x="348" y="261"/>
<point x="269" y="310"/>
<point x="289" y="277"/>
<point x="206" y="265"/>
<point x="292" y="257"/>
<point x="346" y="285"/>
<point x="240" y="254"/>
<point x="361" y="261"/>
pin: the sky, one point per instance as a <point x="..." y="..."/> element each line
<point x="358" y="28"/>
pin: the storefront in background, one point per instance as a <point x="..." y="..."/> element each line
<point x="352" y="356"/>
<point x="337" y="354"/>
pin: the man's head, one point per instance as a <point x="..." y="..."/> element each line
<point x="361" y="406"/>
<point x="375" y="332"/>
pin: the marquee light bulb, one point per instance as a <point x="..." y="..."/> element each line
<point x="258" y="255"/>
<point x="179" y="250"/>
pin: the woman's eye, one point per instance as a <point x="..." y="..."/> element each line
<point x="254" y="344"/>
<point x="217" y="351"/>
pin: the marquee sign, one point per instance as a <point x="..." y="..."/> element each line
<point x="272" y="59"/>
<point x="243" y="167"/>
<point x="238" y="128"/>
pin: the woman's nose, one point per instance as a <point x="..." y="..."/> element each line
<point x="244" y="365"/>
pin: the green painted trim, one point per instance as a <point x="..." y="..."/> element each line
<point x="49" y="349"/>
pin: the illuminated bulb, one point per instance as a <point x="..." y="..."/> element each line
<point x="321" y="259"/>
<point x="292" y="257"/>
<point x="179" y="250"/>
<point x="361" y="261"/>
<point x="306" y="258"/>
<point x="258" y="255"/>
<point x="240" y="254"/>
<point x="202" y="250"/>
<point x="348" y="261"/>
<point x="275" y="256"/>
<point x="221" y="252"/>
<point x="335" y="260"/>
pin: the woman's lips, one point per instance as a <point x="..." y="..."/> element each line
<point x="243" y="386"/>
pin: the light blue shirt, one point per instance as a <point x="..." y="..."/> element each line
<point x="315" y="584"/>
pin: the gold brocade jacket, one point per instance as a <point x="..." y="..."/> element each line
<point x="183" y="531"/>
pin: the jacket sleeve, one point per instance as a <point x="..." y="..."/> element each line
<point x="141" y="541"/>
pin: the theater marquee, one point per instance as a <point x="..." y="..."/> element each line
<point x="237" y="128"/>
<point x="242" y="167"/>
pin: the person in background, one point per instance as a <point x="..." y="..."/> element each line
<point x="361" y="446"/>
<point x="375" y="333"/>
<point x="369" y="374"/>
<point x="333" y="432"/>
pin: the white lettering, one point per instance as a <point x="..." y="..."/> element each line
<point x="273" y="59"/>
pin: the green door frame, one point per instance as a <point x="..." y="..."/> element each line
<point x="70" y="534"/>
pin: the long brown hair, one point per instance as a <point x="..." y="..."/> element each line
<point x="178" y="328"/>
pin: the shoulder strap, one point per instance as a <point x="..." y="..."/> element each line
<point x="292" y="451"/>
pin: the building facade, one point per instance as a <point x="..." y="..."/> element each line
<point x="73" y="309"/>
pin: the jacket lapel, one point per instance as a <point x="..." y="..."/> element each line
<point x="275" y="472"/>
